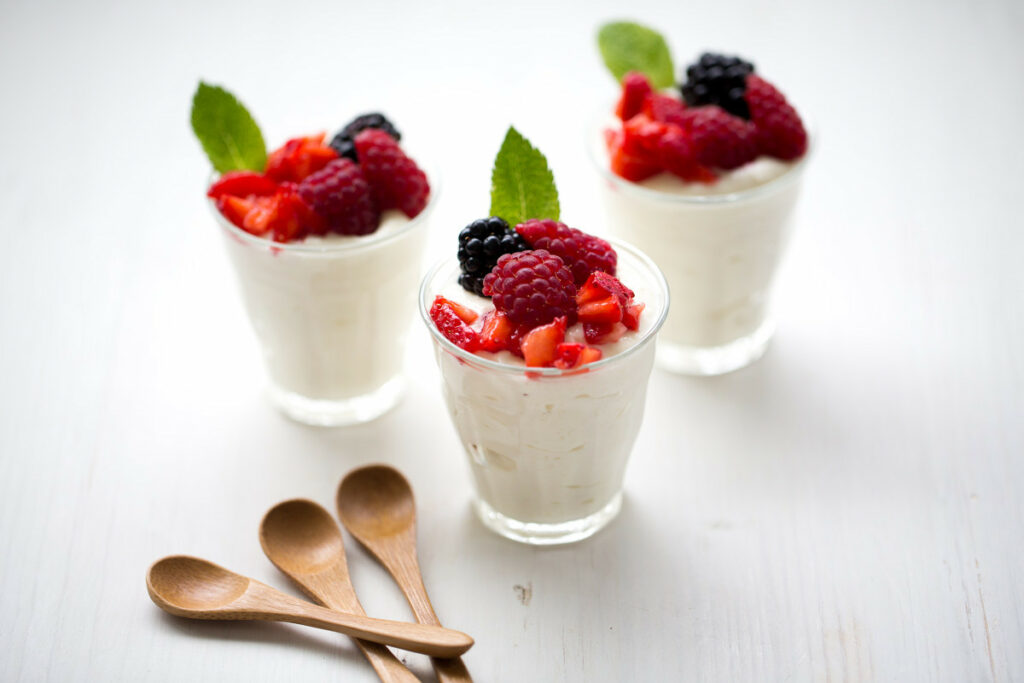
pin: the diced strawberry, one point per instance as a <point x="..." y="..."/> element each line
<point x="541" y="343"/>
<point x="298" y="158"/>
<point x="452" y="326"/>
<point x="665" y="108"/>
<point x="678" y="156"/>
<point x="640" y="136"/>
<point x="242" y="184"/>
<point x="605" y="310"/>
<point x="499" y="334"/>
<point x="235" y="208"/>
<point x="599" y="285"/>
<point x="635" y="89"/>
<point x="628" y="165"/>
<point x="574" y="355"/>
<point x="603" y="333"/>
<point x="631" y="316"/>
<point x="590" y="354"/>
<point x="467" y="315"/>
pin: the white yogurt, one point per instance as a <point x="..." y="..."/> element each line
<point x="548" y="448"/>
<point x="719" y="246"/>
<point x="332" y="314"/>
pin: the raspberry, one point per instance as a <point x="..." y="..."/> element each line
<point x="343" y="141"/>
<point x="531" y="288"/>
<point x="395" y="179"/>
<point x="718" y="79"/>
<point x="480" y="244"/>
<point x="340" y="194"/>
<point x="780" y="132"/>
<point x="635" y="89"/>
<point x="581" y="253"/>
<point x="720" y="139"/>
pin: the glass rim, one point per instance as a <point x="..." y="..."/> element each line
<point x="358" y="242"/>
<point x="472" y="358"/>
<point x="792" y="174"/>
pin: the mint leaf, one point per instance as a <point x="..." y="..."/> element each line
<point x="626" y="46"/>
<point x="226" y="130"/>
<point x="522" y="186"/>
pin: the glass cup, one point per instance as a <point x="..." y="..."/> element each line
<point x="548" y="448"/>
<point x="332" y="314"/>
<point x="719" y="253"/>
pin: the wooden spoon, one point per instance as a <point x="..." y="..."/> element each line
<point x="198" y="589"/>
<point x="303" y="541"/>
<point x="376" y="505"/>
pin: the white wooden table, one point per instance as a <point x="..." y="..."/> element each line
<point x="850" y="508"/>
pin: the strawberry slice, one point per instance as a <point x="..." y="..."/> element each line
<point x="603" y="333"/>
<point x="452" y="326"/>
<point x="678" y="155"/>
<point x="635" y="89"/>
<point x="570" y="356"/>
<point x="540" y="345"/>
<point x="500" y="334"/>
<point x="631" y="316"/>
<point x="626" y="164"/>
<point x="467" y="315"/>
<point x="298" y="158"/>
<point x="235" y="208"/>
<point x="605" y="310"/>
<point x="242" y="184"/>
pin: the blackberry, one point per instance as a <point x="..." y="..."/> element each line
<point x="718" y="79"/>
<point x="344" y="141"/>
<point x="481" y="243"/>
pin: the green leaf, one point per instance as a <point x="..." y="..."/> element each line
<point x="522" y="185"/>
<point x="626" y="46"/>
<point x="226" y="130"/>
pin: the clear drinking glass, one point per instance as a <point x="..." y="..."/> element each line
<point x="332" y="315"/>
<point x="719" y="253"/>
<point x="548" y="448"/>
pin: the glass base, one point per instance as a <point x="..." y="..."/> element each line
<point x="536" y="533"/>
<point x="715" y="360"/>
<point x="326" y="413"/>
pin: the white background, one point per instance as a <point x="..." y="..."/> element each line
<point x="847" y="509"/>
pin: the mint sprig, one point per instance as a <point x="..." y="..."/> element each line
<point x="626" y="46"/>
<point x="522" y="185"/>
<point x="228" y="133"/>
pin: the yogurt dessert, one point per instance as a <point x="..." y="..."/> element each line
<point x="545" y="338"/>
<point x="706" y="178"/>
<point x="326" y="240"/>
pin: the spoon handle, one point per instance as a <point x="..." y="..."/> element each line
<point x="336" y="592"/>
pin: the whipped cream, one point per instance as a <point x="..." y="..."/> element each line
<point x="331" y="312"/>
<point x="550" y="447"/>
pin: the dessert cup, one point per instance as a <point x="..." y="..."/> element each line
<point x="548" y="448"/>
<point x="719" y="253"/>
<point x="332" y="314"/>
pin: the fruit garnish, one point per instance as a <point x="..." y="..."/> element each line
<point x="452" y="326"/>
<point x="631" y="316"/>
<point x="568" y="356"/>
<point x="603" y="333"/>
<point x="522" y="185"/>
<point x="241" y="184"/>
<point x="780" y="132"/>
<point x="626" y="46"/>
<point x="540" y="345"/>
<point x="720" y="139"/>
<point x="344" y="141"/>
<point x="665" y="109"/>
<point x="298" y="158"/>
<point x="635" y="91"/>
<point x="500" y="334"/>
<point x="481" y="243"/>
<point x="226" y="130"/>
<point x="603" y="301"/>
<point x="632" y="166"/>
<point x="467" y="315"/>
<point x="531" y="287"/>
<point x="395" y="180"/>
<point x="718" y="79"/>
<point x="582" y="253"/>
<point x="340" y="195"/>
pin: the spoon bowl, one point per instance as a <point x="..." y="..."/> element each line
<point x="300" y="538"/>
<point x="183" y="584"/>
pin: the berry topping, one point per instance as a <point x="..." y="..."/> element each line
<point x="718" y="79"/>
<point x="780" y="132"/>
<point x="678" y="155"/>
<point x="626" y="163"/>
<point x="298" y="158"/>
<point x="603" y="333"/>
<point x="481" y="243"/>
<point x="581" y="253"/>
<point x="665" y="109"/>
<point x="467" y="315"/>
<point x="395" y="179"/>
<point x="720" y="139"/>
<point x="540" y="345"/>
<point x="341" y="196"/>
<point x="242" y="184"/>
<point x="531" y="287"/>
<point x="568" y="356"/>
<point x="635" y="90"/>
<point x="452" y="326"/>
<point x="344" y="140"/>
<point x="499" y="334"/>
<point x="282" y="216"/>
<point x="602" y="299"/>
